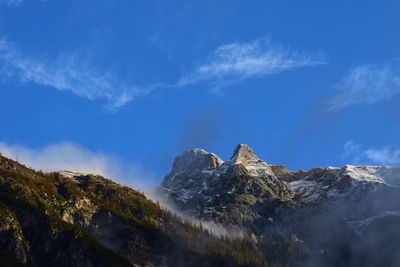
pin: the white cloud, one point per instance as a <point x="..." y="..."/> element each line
<point x="365" y="85"/>
<point x="238" y="61"/>
<point x="68" y="156"/>
<point x="69" y="73"/>
<point x="382" y="156"/>
<point x="386" y="155"/>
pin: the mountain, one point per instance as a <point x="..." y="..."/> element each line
<point x="76" y="219"/>
<point x="323" y="217"/>
<point x="242" y="212"/>
<point x="235" y="193"/>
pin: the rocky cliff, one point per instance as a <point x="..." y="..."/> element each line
<point x="234" y="193"/>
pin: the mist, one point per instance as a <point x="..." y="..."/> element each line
<point x="212" y="227"/>
<point x="72" y="157"/>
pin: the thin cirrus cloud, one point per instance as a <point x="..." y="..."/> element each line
<point x="11" y="2"/>
<point x="238" y="61"/>
<point x="72" y="157"/>
<point x="66" y="74"/>
<point x="365" y="85"/>
<point x="385" y="155"/>
<point x="229" y="63"/>
<point x="15" y="3"/>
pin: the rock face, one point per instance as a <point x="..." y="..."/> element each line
<point x="195" y="160"/>
<point x="231" y="193"/>
<point x="311" y="209"/>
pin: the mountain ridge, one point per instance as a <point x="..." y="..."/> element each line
<point x="267" y="214"/>
<point x="270" y="200"/>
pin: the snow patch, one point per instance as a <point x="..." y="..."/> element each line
<point x="309" y="190"/>
<point x="377" y="174"/>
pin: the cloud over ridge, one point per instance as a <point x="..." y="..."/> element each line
<point x="386" y="155"/>
<point x="72" y="157"/>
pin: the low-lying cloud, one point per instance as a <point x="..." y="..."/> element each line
<point x="68" y="156"/>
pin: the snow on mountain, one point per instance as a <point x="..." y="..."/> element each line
<point x="379" y="174"/>
<point x="331" y="182"/>
<point x="246" y="190"/>
<point x="196" y="172"/>
<point x="323" y="208"/>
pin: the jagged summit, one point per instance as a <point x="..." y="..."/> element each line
<point x="243" y="153"/>
<point x="202" y="185"/>
<point x="197" y="159"/>
<point x="194" y="160"/>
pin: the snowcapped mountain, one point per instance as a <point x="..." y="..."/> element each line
<point x="242" y="212"/>
<point x="328" y="211"/>
<point x="331" y="182"/>
<point x="204" y="186"/>
<point x="200" y="181"/>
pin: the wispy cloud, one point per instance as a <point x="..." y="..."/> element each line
<point x="239" y="61"/>
<point x="14" y="3"/>
<point x="386" y="155"/>
<point x="351" y="149"/>
<point x="69" y="73"/>
<point x="11" y="2"/>
<point x="68" y="156"/>
<point x="365" y="85"/>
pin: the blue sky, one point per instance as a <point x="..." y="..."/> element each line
<point x="122" y="87"/>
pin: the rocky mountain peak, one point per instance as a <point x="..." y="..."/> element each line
<point x="194" y="160"/>
<point x="244" y="154"/>
<point x="203" y="186"/>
